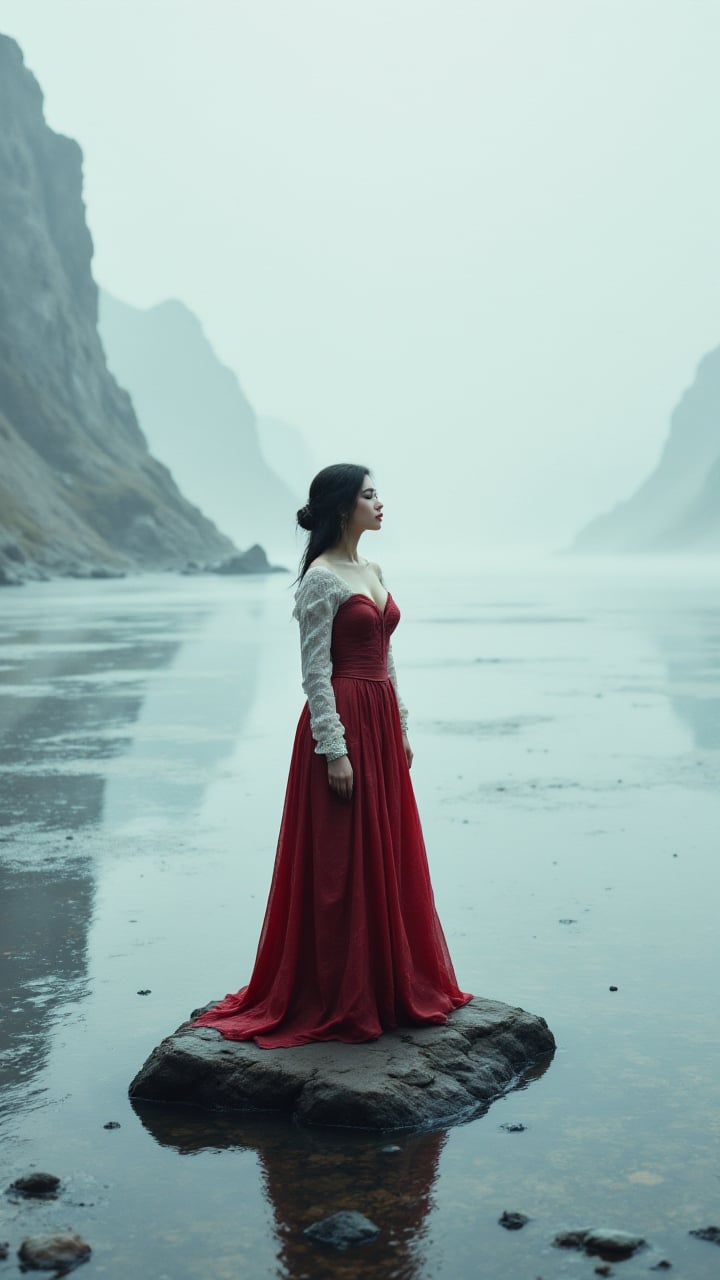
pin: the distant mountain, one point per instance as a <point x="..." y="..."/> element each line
<point x="284" y="449"/>
<point x="197" y="418"/>
<point x="678" y="506"/>
<point x="79" y="490"/>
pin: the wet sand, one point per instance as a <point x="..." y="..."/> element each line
<point x="566" y="724"/>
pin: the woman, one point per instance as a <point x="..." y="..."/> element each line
<point x="351" y="945"/>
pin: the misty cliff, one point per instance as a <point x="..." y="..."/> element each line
<point x="78" y="486"/>
<point x="197" y="418"/>
<point x="678" y="507"/>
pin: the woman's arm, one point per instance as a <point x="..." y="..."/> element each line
<point x="393" y="677"/>
<point x="316" y="604"/>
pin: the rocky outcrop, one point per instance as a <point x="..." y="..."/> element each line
<point x="678" y="506"/>
<point x="414" y="1077"/>
<point x="197" y="419"/>
<point x="78" y="486"/>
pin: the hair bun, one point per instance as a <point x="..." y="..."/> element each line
<point x="305" y="517"/>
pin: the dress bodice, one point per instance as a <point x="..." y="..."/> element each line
<point x="341" y="633"/>
<point x="361" y="638"/>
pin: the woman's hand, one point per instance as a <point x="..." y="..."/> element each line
<point x="408" y="750"/>
<point x="340" y="777"/>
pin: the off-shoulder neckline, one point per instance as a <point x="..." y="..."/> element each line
<point x="363" y="595"/>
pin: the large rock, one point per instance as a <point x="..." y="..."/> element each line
<point x="409" y="1078"/>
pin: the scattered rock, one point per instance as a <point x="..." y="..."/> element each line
<point x="570" y="1240"/>
<point x="611" y="1246"/>
<point x="612" y="988"/>
<point x="146" y="991"/>
<point x="52" y="1253"/>
<point x="513" y="1128"/>
<point x="112" y="1124"/>
<point x="567" y="921"/>
<point x="512" y="1221"/>
<point x="254" y="560"/>
<point x="603" y="1270"/>
<point x="414" y="1077"/>
<point x="662" y="1265"/>
<point x="712" y="1234"/>
<point x="42" y="1185"/>
<point x="343" y="1230"/>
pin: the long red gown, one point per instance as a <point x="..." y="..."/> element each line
<point x="351" y="945"/>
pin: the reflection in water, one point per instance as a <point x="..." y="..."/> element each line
<point x="68" y="695"/>
<point x="44" y="914"/>
<point x="693" y="672"/>
<point x="308" y="1174"/>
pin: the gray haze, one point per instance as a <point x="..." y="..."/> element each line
<point x="471" y="244"/>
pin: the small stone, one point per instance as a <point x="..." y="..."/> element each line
<point x="343" y="1230"/>
<point x="567" y="920"/>
<point x="603" y="1270"/>
<point x="570" y="1240"/>
<point x="112" y="1124"/>
<point x="515" y="1127"/>
<point x="36" y="1184"/>
<point x="712" y="1234"/>
<point x="662" y="1265"/>
<point x="146" y="991"/>
<point x="512" y="1221"/>
<point x="613" y="1246"/>
<point x="612" y="988"/>
<point x="53" y="1253"/>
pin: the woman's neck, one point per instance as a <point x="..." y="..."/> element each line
<point x="346" y="550"/>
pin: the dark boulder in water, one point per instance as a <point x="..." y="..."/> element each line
<point x="414" y="1077"/>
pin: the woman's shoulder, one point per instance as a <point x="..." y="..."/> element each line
<point x="319" y="585"/>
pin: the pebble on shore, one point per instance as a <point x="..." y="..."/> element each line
<point x="59" y="1252"/>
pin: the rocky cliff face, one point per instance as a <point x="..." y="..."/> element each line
<point x="197" y="419"/>
<point x="78" y="486"/>
<point x="678" y="506"/>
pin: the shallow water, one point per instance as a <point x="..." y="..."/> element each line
<point x="566" y="724"/>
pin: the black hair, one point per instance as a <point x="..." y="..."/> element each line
<point x="332" y="497"/>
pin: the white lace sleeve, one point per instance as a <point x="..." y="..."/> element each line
<point x="392" y="673"/>
<point x="393" y="677"/>
<point x="316" y="602"/>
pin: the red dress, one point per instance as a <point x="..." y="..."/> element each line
<point x="351" y="945"/>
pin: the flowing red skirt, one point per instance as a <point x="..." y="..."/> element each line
<point x="351" y="945"/>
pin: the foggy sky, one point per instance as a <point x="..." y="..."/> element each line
<point x="471" y="244"/>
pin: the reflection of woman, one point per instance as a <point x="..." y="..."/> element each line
<point x="351" y="944"/>
<point x="307" y="1174"/>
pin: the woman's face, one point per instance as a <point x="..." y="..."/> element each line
<point x="367" y="513"/>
